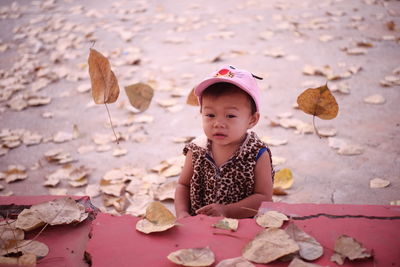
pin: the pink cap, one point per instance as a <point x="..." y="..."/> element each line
<point x="241" y="78"/>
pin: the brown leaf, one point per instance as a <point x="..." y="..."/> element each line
<point x="105" y="87"/>
<point x="192" y="99"/>
<point x="140" y="95"/>
<point x="318" y="102"/>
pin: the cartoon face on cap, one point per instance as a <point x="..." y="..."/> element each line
<point x="225" y="73"/>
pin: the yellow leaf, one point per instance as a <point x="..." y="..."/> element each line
<point x="157" y="219"/>
<point x="283" y="179"/>
<point x="318" y="102"/>
<point x="139" y="95"/>
<point x="105" y="87"/>
<point x="157" y="213"/>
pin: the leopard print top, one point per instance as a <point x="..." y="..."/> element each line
<point x="231" y="182"/>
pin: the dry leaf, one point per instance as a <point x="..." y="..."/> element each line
<point x="310" y="249"/>
<point x="28" y="220"/>
<point x="283" y="178"/>
<point x="15" y="173"/>
<point x="227" y="224"/>
<point x="348" y="247"/>
<point x="105" y="87"/>
<point x="139" y="95"/>
<point x="24" y="260"/>
<point x="271" y="218"/>
<point x="157" y="213"/>
<point x="60" y="211"/>
<point x="165" y="191"/>
<point x="376" y="99"/>
<point x="192" y="257"/>
<point x="138" y="205"/>
<point x="9" y="231"/>
<point x="269" y="245"/>
<point x="27" y="247"/>
<point x="192" y="99"/>
<point x="378" y="183"/>
<point x="235" y="262"/>
<point x="157" y="219"/>
<point x="273" y="142"/>
<point x="296" y="262"/>
<point x="278" y="191"/>
<point x="318" y="102"/>
<point x="112" y="188"/>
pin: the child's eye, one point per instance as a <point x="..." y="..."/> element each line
<point x="230" y="116"/>
<point x="210" y="115"/>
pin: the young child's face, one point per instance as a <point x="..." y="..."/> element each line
<point x="227" y="118"/>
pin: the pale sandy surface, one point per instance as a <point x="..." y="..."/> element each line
<point x="177" y="41"/>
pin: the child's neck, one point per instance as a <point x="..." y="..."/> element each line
<point x="222" y="153"/>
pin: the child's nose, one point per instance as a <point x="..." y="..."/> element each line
<point x="219" y="122"/>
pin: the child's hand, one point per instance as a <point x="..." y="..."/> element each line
<point x="212" y="210"/>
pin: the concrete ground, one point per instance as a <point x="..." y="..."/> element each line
<point x="172" y="45"/>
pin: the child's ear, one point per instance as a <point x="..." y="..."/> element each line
<point x="254" y="119"/>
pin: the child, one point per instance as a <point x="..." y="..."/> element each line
<point x="228" y="175"/>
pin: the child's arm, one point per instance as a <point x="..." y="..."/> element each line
<point x="262" y="192"/>
<point x="182" y="197"/>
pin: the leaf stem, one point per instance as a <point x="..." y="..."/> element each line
<point x="112" y="126"/>
<point x="315" y="127"/>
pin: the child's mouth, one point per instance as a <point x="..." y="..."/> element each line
<point x="219" y="135"/>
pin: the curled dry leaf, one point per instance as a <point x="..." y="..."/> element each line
<point x="310" y="249"/>
<point x="348" y="247"/>
<point x="192" y="257"/>
<point x="235" y="262"/>
<point x="271" y="218"/>
<point x="270" y="244"/>
<point x="139" y="95"/>
<point x="15" y="173"/>
<point x="112" y="188"/>
<point x="166" y="191"/>
<point x="283" y="179"/>
<point x="378" y="183"/>
<point x="105" y="87"/>
<point x="157" y="219"/>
